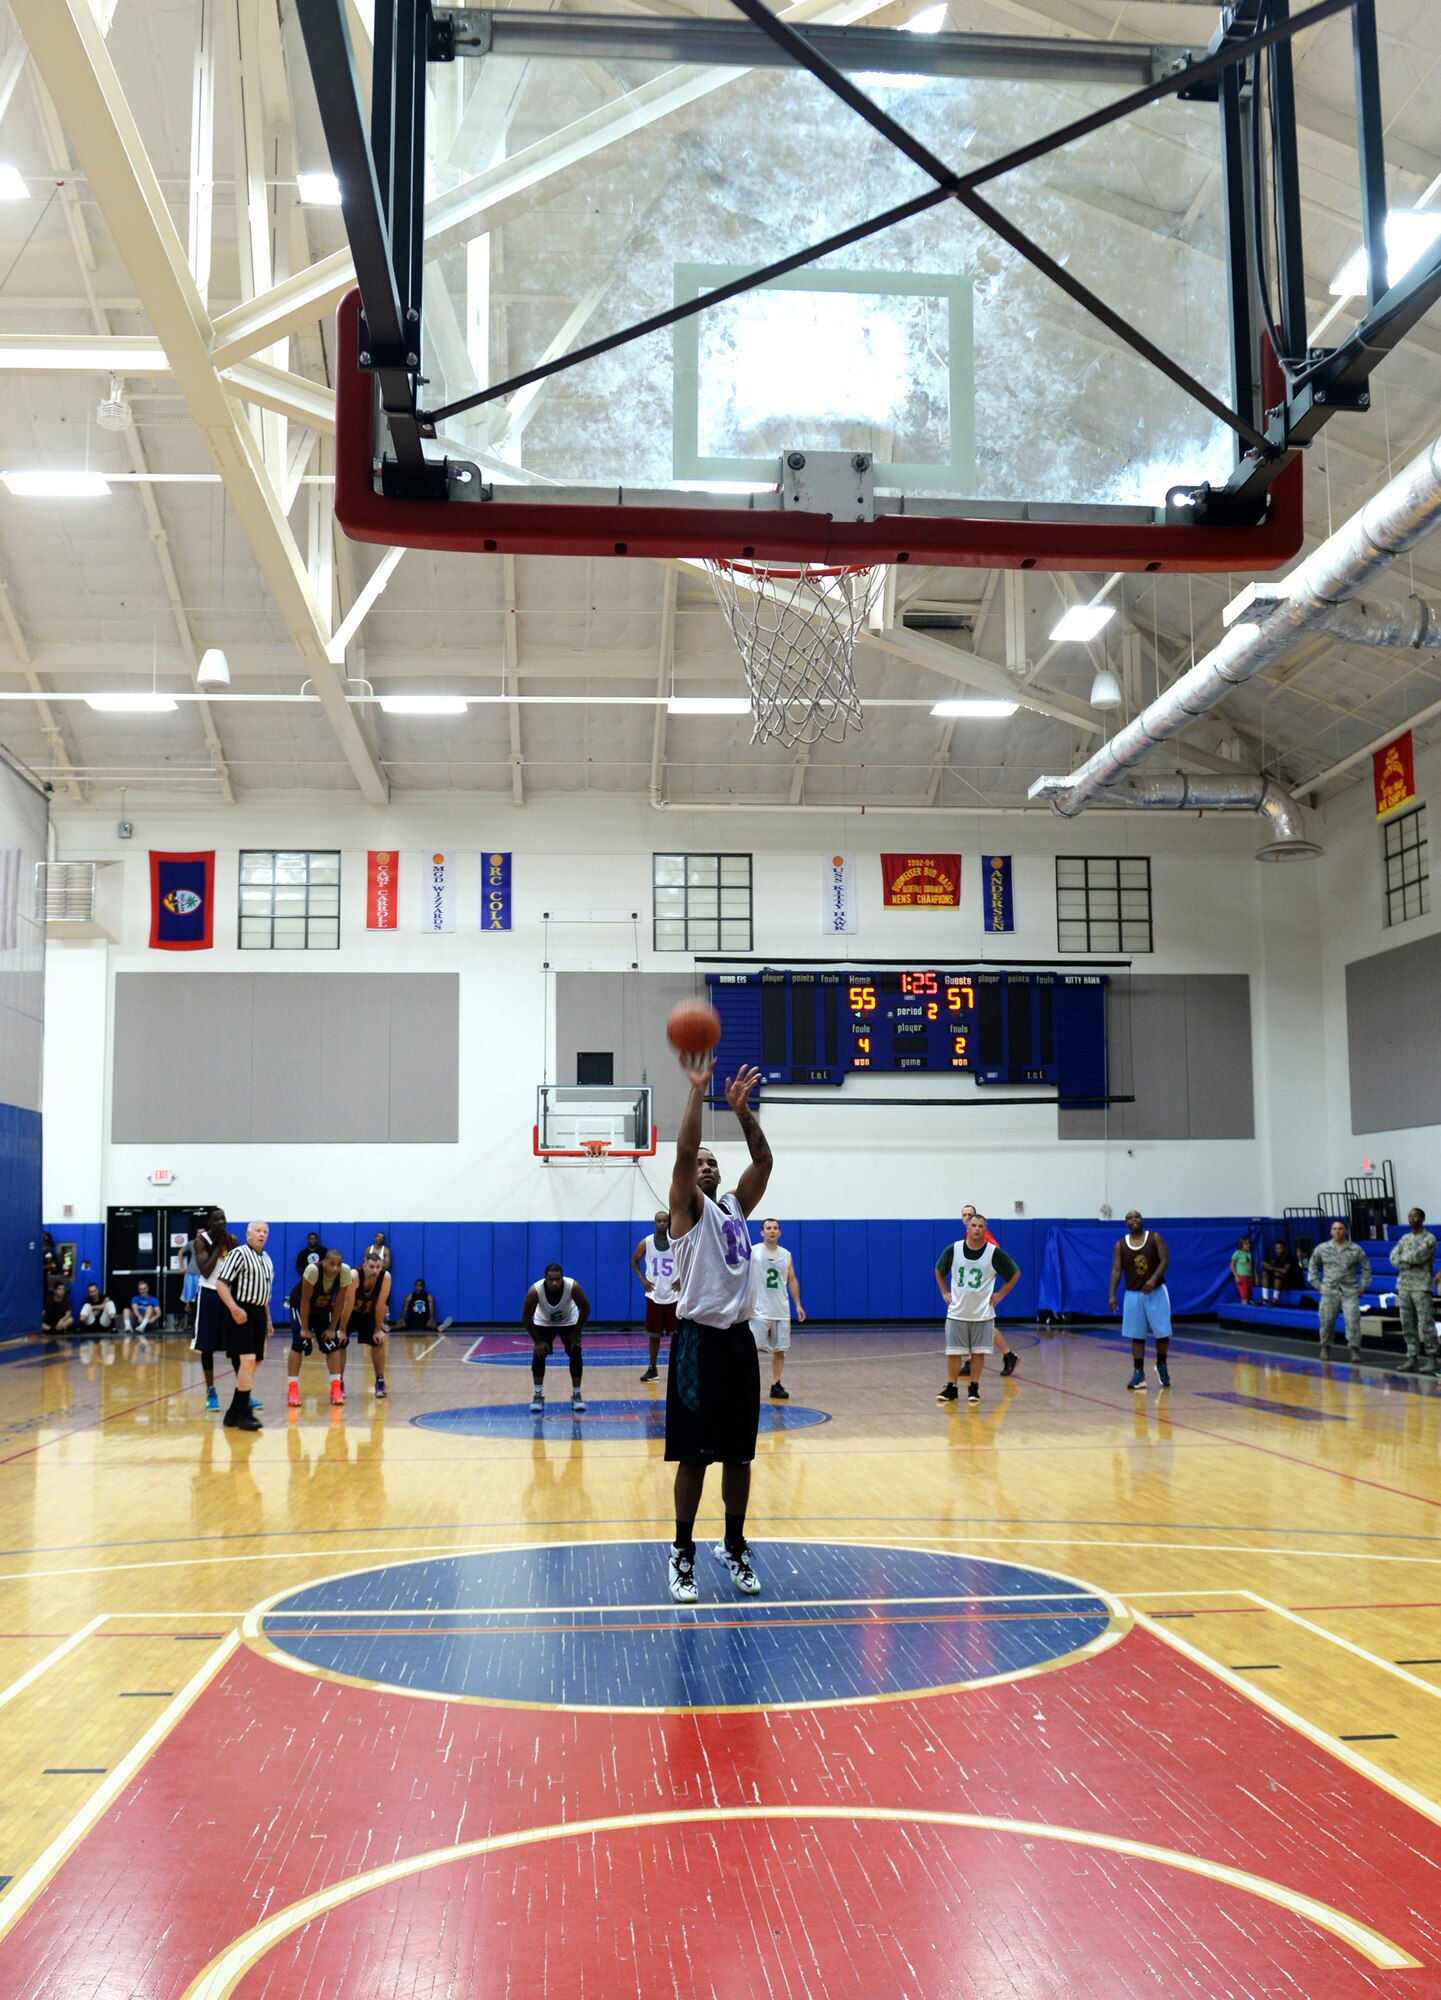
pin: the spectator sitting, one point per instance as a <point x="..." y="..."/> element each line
<point x="97" y="1308"/>
<point x="417" y="1311"/>
<point x="1281" y="1272"/>
<point x="56" y="1316"/>
<point x="143" y="1312"/>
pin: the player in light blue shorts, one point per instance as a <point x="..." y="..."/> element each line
<point x="1142" y="1260"/>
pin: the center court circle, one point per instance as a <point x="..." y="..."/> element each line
<point x="591" y="1625"/>
<point x="639" y="1419"/>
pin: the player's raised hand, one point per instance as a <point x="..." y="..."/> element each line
<point x="739" y="1088"/>
<point x="698" y="1068"/>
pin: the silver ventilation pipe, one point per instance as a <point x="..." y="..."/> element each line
<point x="1405" y="509"/>
<point x="1414" y="625"/>
<point x="1180" y="793"/>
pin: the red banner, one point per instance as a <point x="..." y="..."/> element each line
<point x="382" y="902"/>
<point x="921" y="881"/>
<point x="1395" y="776"/>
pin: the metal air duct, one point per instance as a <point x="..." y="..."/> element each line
<point x="1405" y="509"/>
<point x="1180" y="793"/>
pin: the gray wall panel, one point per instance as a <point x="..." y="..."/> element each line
<point x="1218" y="1056"/>
<point x="291" y="1058"/>
<point x="424" y="1043"/>
<point x="1180" y="1044"/>
<point x="626" y="1013"/>
<point x="1393" y="1016"/>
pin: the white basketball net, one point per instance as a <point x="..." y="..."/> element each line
<point x="796" y="631"/>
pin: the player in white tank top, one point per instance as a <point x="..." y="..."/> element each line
<point x="775" y="1285"/>
<point x="556" y="1308"/>
<point x="712" y="1402"/>
<point x="653" y="1261"/>
<point x="974" y="1275"/>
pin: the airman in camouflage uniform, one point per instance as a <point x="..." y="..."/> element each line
<point x="1342" y="1271"/>
<point x="1414" y="1256"/>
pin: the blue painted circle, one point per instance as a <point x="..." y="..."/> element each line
<point x="593" y="1625"/>
<point x="513" y="1350"/>
<point x="643" y="1418"/>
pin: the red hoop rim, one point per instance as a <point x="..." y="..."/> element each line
<point x="790" y="571"/>
<point x="596" y="1149"/>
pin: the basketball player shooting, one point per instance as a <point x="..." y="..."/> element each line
<point x="712" y="1404"/>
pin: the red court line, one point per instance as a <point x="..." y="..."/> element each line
<point x="94" y="1423"/>
<point x="1245" y="1444"/>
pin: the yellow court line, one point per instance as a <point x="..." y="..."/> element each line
<point x="1372" y="1659"/>
<point x="224" y="1972"/>
<point x="1181" y="1548"/>
<point x="1397" y="1787"/>
<point x="24" y="1889"/>
<point x="43" y="1666"/>
<point x="534" y="1610"/>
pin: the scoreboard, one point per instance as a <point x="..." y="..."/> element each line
<point x="997" y="1027"/>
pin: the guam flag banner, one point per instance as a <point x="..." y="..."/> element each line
<point x="382" y="891"/>
<point x="1393" y="770"/>
<point x="921" y="881"/>
<point x="495" y="892"/>
<point x="998" y="910"/>
<point x="437" y="909"/>
<point x="182" y="901"/>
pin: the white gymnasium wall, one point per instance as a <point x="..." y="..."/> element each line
<point x="1215" y="910"/>
<point x="1354" y="927"/>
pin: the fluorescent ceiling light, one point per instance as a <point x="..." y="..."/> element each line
<point x="1083" y="621"/>
<point x="319" y="190"/>
<point x="423" y="704"/>
<point x="928" y="23"/>
<point x="706" y="704"/>
<point x="976" y="708"/>
<point x="43" y="485"/>
<point x="214" y="669"/>
<point x="12" y="185"/>
<point x="1409" y="235"/>
<point x="130" y="704"/>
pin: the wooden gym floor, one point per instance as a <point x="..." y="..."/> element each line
<point x="1080" y="1693"/>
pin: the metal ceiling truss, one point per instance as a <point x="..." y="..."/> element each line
<point x="68" y="47"/>
<point x="1246" y="70"/>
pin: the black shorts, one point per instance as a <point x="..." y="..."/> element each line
<point x="660" y="1318"/>
<point x="712" y="1395"/>
<point x="222" y="1335"/>
<point x="362" y="1330"/>
<point x="546" y="1337"/>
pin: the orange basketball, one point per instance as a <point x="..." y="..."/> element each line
<point x="693" y="1028"/>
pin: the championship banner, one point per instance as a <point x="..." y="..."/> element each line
<point x="1394" y="774"/>
<point x="921" y="881"/>
<point x="182" y="901"/>
<point x="838" y="894"/>
<point x="382" y="891"/>
<point x="495" y="893"/>
<point x="438" y="886"/>
<point x="998" y="910"/>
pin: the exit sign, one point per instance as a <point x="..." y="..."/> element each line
<point x="161" y="1177"/>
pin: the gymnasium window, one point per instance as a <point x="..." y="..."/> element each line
<point x="702" y="902"/>
<point x="1103" y="903"/>
<point x="1407" y="871"/>
<point x="289" y="901"/>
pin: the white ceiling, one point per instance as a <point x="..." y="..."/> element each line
<point x="105" y="594"/>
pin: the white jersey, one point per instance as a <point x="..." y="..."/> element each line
<point x="973" y="1279"/>
<point x="564" y="1312"/>
<point x="771" y="1297"/>
<point x="660" y="1272"/>
<point x="713" y="1264"/>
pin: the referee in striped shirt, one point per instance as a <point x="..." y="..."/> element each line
<point x="243" y="1285"/>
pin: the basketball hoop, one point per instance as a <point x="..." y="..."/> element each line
<point x="796" y="629"/>
<point x="595" y="1151"/>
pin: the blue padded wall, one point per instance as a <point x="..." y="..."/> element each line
<point x="22" y="1274"/>
<point x="479" y="1272"/>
